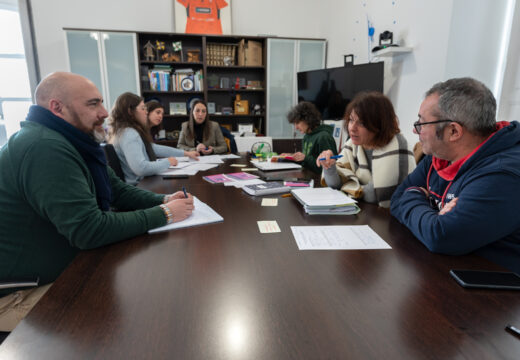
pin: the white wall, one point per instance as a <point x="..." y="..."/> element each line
<point x="51" y="16"/>
<point x="435" y="29"/>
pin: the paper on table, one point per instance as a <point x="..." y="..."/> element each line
<point x="269" y="202"/>
<point x="266" y="227"/>
<point x="229" y="156"/>
<point x="356" y="237"/>
<point x="180" y="165"/>
<point x="185" y="171"/>
<point x="208" y="159"/>
<point x="202" y="214"/>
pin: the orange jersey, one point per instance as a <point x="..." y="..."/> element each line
<point x="203" y="16"/>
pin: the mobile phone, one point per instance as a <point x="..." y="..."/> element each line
<point x="166" y="177"/>
<point x="486" y="279"/>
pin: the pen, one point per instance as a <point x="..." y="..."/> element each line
<point x="513" y="330"/>
<point x="332" y="157"/>
<point x="184" y="189"/>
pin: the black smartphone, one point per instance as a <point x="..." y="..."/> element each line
<point x="166" y="177"/>
<point x="486" y="279"/>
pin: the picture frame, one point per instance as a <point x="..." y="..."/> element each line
<point x="178" y="108"/>
<point x="218" y="23"/>
<point x="211" y="108"/>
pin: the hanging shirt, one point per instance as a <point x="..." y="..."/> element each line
<point x="203" y="16"/>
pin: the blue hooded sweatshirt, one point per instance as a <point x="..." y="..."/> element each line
<point x="485" y="219"/>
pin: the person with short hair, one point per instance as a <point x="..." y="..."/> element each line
<point x="56" y="192"/>
<point x="463" y="194"/>
<point x="317" y="136"/>
<point x="375" y="158"/>
<point x="130" y="134"/>
<point x="201" y="134"/>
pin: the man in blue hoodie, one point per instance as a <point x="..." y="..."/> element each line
<point x="464" y="195"/>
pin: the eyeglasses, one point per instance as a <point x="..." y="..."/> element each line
<point x="417" y="125"/>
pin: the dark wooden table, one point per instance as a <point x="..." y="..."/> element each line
<point x="225" y="291"/>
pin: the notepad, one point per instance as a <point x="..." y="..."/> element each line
<point x="201" y="215"/>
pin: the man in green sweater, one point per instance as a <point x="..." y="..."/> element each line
<point x="307" y="120"/>
<point x="56" y="192"/>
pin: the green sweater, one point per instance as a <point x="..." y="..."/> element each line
<point x="48" y="208"/>
<point x="318" y="140"/>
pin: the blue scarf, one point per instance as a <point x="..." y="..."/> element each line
<point x="89" y="150"/>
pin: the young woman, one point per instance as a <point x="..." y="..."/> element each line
<point x="318" y="138"/>
<point x="201" y="134"/>
<point x="130" y="135"/>
<point x="155" y="116"/>
<point x="376" y="158"/>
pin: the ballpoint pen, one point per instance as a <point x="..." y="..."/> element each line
<point x="185" y="194"/>
<point x="332" y="157"/>
<point x="513" y="330"/>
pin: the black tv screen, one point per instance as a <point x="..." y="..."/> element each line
<point x="332" y="89"/>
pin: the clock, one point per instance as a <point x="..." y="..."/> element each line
<point x="187" y="84"/>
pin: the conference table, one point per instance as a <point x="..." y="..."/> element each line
<point x="226" y="291"/>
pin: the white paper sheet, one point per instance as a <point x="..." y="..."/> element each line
<point x="267" y="165"/>
<point x="229" y="156"/>
<point x="357" y="237"/>
<point x="202" y="214"/>
<point x="208" y="159"/>
<point x="180" y="165"/>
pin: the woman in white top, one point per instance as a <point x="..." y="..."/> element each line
<point x="376" y="158"/>
<point x="130" y="135"/>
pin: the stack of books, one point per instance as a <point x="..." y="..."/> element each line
<point x="194" y="82"/>
<point x="222" y="178"/>
<point x="276" y="187"/>
<point x="325" y="201"/>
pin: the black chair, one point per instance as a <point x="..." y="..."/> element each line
<point x="232" y="146"/>
<point x="113" y="160"/>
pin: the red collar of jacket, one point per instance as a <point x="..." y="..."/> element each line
<point x="448" y="171"/>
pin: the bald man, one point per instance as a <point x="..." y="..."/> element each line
<point x="56" y="192"/>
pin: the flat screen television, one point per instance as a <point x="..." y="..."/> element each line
<point x="332" y="89"/>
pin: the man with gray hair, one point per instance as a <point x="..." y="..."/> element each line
<point x="56" y="192"/>
<point x="463" y="195"/>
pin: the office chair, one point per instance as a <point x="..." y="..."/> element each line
<point x="9" y="284"/>
<point x="113" y="160"/>
<point x="230" y="140"/>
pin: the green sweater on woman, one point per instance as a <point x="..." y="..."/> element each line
<point x="48" y="208"/>
<point x="314" y="143"/>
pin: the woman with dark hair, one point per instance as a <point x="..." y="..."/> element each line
<point x="318" y="138"/>
<point x="200" y="133"/>
<point x="155" y="116"/>
<point x="376" y="158"/>
<point x="130" y="135"/>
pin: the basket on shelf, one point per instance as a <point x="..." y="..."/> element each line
<point x="221" y="54"/>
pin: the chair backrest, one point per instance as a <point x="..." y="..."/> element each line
<point x="230" y="140"/>
<point x="113" y="160"/>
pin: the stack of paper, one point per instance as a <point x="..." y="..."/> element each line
<point x="325" y="201"/>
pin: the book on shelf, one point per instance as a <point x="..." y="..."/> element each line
<point x="194" y="83"/>
<point x="221" y="178"/>
<point x="159" y="77"/>
<point x="325" y="201"/>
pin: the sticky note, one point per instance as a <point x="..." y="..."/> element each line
<point x="269" y="202"/>
<point x="267" y="227"/>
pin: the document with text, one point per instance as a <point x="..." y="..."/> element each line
<point x="356" y="237"/>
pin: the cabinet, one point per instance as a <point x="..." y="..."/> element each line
<point x="219" y="83"/>
<point x="106" y="58"/>
<point x="285" y="58"/>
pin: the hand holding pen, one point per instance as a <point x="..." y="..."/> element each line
<point x="327" y="159"/>
<point x="180" y="205"/>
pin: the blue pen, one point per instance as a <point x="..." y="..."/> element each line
<point x="184" y="189"/>
<point x="332" y="157"/>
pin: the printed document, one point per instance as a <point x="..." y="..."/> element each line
<point x="202" y="214"/>
<point x="356" y="237"/>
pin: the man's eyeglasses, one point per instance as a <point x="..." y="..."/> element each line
<point x="417" y="125"/>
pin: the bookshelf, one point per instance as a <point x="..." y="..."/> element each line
<point x="219" y="83"/>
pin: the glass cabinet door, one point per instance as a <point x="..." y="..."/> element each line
<point x="84" y="56"/>
<point x="281" y="79"/>
<point x="121" y="64"/>
<point x="311" y="55"/>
